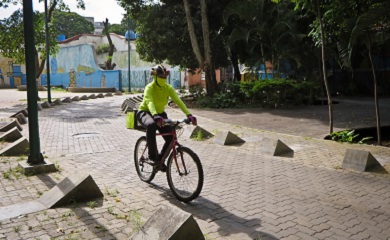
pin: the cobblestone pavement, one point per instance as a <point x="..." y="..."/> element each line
<point x="247" y="194"/>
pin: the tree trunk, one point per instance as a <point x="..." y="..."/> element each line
<point x="265" y="64"/>
<point x="378" y="120"/>
<point x="108" y="63"/>
<point x="191" y="31"/>
<point x="205" y="60"/>
<point x="324" y="75"/>
<point x="237" y="74"/>
<point x="208" y="68"/>
<point x="39" y="66"/>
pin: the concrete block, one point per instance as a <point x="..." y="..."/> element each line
<point x="118" y="93"/>
<point x="18" y="209"/>
<point x="39" y="107"/>
<point x="359" y="160"/>
<point x="11" y="135"/>
<point x="21" y="118"/>
<point x="92" y="96"/>
<point x="34" y="169"/>
<point x="76" y="98"/>
<point x="24" y="112"/>
<point x="19" y="147"/>
<point x="191" y="131"/>
<point x="108" y="95"/>
<point x="10" y="123"/>
<point x="57" y="102"/>
<point x="127" y="109"/>
<point x="227" y="138"/>
<point x="67" y="100"/>
<point x="84" y="97"/>
<point x="124" y="104"/>
<point x="78" y="187"/>
<point x="169" y="222"/>
<point x="275" y="148"/>
<point x="100" y="95"/>
<point x="45" y="104"/>
<point x="139" y="98"/>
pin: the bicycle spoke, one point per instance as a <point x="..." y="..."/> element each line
<point x="186" y="177"/>
<point x="145" y="171"/>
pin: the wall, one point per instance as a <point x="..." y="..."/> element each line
<point x="12" y="73"/>
<point x="199" y="78"/>
<point x="96" y="40"/>
<point x="5" y="81"/>
<point x="76" y="66"/>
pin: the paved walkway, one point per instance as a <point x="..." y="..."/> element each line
<point x="247" y="194"/>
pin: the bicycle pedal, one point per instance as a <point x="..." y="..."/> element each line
<point x="162" y="168"/>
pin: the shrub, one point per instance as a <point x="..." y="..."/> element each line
<point x="104" y="48"/>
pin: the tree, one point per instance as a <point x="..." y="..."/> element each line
<point x="262" y="31"/>
<point x="369" y="28"/>
<point x="317" y="8"/>
<point x="71" y="24"/>
<point x="196" y="30"/>
<point x="11" y="33"/>
<point x="108" y="64"/>
<point x="125" y="25"/>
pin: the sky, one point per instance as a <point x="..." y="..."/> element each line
<point x="99" y="9"/>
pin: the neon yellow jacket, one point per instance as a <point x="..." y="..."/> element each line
<point x="156" y="98"/>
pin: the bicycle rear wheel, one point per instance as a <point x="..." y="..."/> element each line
<point x="186" y="179"/>
<point x="145" y="171"/>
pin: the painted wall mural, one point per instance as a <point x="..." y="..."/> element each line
<point x="76" y="66"/>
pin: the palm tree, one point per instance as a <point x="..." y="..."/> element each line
<point x="368" y="29"/>
<point x="264" y="29"/>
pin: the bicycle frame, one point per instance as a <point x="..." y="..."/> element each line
<point x="172" y="148"/>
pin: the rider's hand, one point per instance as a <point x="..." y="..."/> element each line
<point x="159" y="120"/>
<point x="192" y="119"/>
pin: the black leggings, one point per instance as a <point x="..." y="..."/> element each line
<point x="146" y="119"/>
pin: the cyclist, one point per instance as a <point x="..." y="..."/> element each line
<point x="152" y="113"/>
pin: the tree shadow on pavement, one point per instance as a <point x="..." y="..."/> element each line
<point x="212" y="212"/>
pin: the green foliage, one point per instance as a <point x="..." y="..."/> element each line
<point x="92" y="204"/>
<point x="219" y="100"/>
<point x="197" y="90"/>
<point x="103" y="48"/>
<point x="272" y="93"/>
<point x="71" y="24"/>
<point x="348" y="136"/>
<point x="12" y="36"/>
<point x="279" y="92"/>
<point x="118" y="29"/>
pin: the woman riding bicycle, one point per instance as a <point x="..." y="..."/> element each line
<point x="152" y="113"/>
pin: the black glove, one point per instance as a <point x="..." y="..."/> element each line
<point x="159" y="120"/>
<point x="192" y="119"/>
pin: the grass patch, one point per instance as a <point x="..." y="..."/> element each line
<point x="13" y="173"/>
<point x="57" y="89"/>
<point x="92" y="204"/>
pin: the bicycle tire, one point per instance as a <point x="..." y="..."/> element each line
<point x="180" y="183"/>
<point x="145" y="171"/>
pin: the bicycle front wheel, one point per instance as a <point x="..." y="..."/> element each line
<point x="145" y="171"/>
<point x="185" y="178"/>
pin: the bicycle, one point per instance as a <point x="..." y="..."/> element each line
<point x="184" y="170"/>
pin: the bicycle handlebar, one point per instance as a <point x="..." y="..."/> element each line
<point x="173" y="122"/>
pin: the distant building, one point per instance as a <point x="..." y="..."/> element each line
<point x="90" y="19"/>
<point x="99" y="26"/>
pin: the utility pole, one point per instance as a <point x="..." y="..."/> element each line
<point x="35" y="156"/>
<point x="128" y="50"/>
<point x="47" y="54"/>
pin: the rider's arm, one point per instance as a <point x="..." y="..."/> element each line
<point x="175" y="98"/>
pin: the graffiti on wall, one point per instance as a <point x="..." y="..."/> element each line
<point x="76" y="66"/>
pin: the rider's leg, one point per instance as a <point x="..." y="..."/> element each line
<point x="146" y="119"/>
<point x="168" y="138"/>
